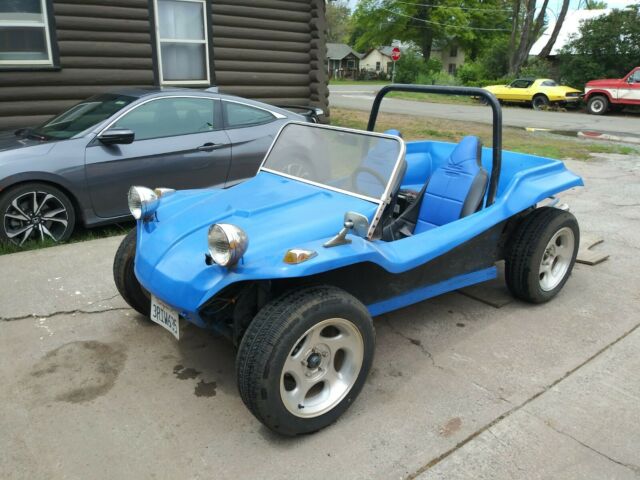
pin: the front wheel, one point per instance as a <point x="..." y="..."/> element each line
<point x="305" y="358"/>
<point x="125" y="278"/>
<point x="597" y="105"/>
<point x="541" y="254"/>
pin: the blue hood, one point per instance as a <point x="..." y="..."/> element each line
<point x="276" y="213"/>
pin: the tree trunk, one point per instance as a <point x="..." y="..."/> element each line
<point x="426" y="39"/>
<point x="519" y="56"/>
<point x="514" y="30"/>
<point x="546" y="51"/>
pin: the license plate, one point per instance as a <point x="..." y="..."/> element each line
<point x="166" y="316"/>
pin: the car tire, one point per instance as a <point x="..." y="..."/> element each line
<point x="598" y="105"/>
<point x="35" y="211"/>
<point x="540" y="102"/>
<point x="541" y="254"/>
<point x="304" y="359"/>
<point x="125" y="278"/>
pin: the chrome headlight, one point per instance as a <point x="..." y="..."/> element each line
<point x="227" y="243"/>
<point x="143" y="202"/>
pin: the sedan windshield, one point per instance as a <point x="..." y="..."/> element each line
<point x="82" y="116"/>
<point x="364" y="164"/>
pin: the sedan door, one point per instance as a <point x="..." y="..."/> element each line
<point x="251" y="130"/>
<point x="179" y="143"/>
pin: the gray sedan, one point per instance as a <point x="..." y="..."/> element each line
<point x="78" y="166"/>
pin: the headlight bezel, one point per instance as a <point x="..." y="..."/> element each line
<point x="232" y="238"/>
<point x="142" y="202"/>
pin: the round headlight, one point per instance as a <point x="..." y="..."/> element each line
<point x="227" y="243"/>
<point x="142" y="202"/>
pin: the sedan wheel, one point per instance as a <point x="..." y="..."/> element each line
<point x="35" y="212"/>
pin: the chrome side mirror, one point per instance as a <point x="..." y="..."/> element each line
<point x="353" y="221"/>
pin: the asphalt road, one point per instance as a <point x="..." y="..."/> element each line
<point x="459" y="388"/>
<point x="360" y="97"/>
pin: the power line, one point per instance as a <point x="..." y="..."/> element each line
<point x="464" y="27"/>
<point x="456" y="8"/>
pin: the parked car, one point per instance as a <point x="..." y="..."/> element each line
<point x="78" y="166"/>
<point x="292" y="268"/>
<point x="539" y="92"/>
<point x="613" y="94"/>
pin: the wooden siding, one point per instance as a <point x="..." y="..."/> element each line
<point x="270" y="50"/>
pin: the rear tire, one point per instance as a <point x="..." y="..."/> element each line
<point x="540" y="102"/>
<point x="304" y="359"/>
<point x="125" y="278"/>
<point x="598" y="105"/>
<point x="541" y="254"/>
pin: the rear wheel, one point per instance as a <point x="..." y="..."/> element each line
<point x="125" y="278"/>
<point x="540" y="102"/>
<point x="541" y="254"/>
<point x="304" y="359"/>
<point x="35" y="212"/>
<point x="597" y="105"/>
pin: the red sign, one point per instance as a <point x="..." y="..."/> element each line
<point x="395" y="54"/>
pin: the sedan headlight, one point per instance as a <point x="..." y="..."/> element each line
<point x="143" y="202"/>
<point x="227" y="243"/>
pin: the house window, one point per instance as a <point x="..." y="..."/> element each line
<point x="452" y="69"/>
<point x="454" y="51"/>
<point x="182" y="42"/>
<point x="377" y="66"/>
<point x="351" y="64"/>
<point x="25" y="34"/>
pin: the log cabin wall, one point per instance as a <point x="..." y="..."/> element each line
<point x="269" y="50"/>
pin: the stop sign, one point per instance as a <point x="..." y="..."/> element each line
<point x="395" y="54"/>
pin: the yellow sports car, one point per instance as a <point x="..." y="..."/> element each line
<point x="540" y="92"/>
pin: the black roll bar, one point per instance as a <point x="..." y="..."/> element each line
<point x="468" y="92"/>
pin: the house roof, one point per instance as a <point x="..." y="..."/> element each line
<point x="338" y="51"/>
<point x="570" y="26"/>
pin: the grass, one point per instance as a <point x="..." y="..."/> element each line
<point x="80" y="235"/>
<point x="434" y="98"/>
<point x="514" y="139"/>
<point x="337" y="81"/>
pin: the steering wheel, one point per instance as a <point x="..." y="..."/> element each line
<point x="367" y="170"/>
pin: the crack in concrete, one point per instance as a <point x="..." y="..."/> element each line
<point x="413" y="341"/>
<point x="630" y="466"/>
<point x="434" y="461"/>
<point x="62" y="312"/>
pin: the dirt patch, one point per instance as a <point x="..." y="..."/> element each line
<point x="451" y="427"/>
<point x="77" y="372"/>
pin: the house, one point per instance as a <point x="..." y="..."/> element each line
<point x="451" y="56"/>
<point x="55" y="53"/>
<point x="378" y="60"/>
<point x="342" y="61"/>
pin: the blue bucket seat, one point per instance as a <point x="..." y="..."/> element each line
<point x="454" y="190"/>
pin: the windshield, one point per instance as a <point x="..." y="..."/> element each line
<point x="82" y="116"/>
<point x="360" y="163"/>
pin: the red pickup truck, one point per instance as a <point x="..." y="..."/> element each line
<point x="601" y="95"/>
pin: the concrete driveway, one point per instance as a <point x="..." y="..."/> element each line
<point x="360" y="97"/>
<point x="459" y="389"/>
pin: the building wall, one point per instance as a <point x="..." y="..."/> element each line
<point x="369" y="62"/>
<point x="270" y="50"/>
<point x="447" y="59"/>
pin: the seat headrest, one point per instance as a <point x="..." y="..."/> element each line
<point x="393" y="131"/>
<point x="469" y="148"/>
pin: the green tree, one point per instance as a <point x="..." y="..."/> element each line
<point x="605" y="47"/>
<point x="338" y="16"/>
<point x="427" y="23"/>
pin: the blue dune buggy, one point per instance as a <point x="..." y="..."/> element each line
<point x="338" y="226"/>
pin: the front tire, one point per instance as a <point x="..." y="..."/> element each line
<point x="541" y="254"/>
<point x="304" y="359"/>
<point x="597" y="105"/>
<point x="35" y="212"/>
<point x="125" y="278"/>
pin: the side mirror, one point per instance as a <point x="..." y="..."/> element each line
<point x="117" y="136"/>
<point x="353" y="221"/>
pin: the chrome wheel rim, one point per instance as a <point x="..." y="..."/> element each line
<point x="35" y="216"/>
<point x="556" y="259"/>
<point x="321" y="368"/>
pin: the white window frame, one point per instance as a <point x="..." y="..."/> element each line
<point x="31" y="23"/>
<point x="159" y="41"/>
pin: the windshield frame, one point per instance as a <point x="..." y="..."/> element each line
<point x="382" y="202"/>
